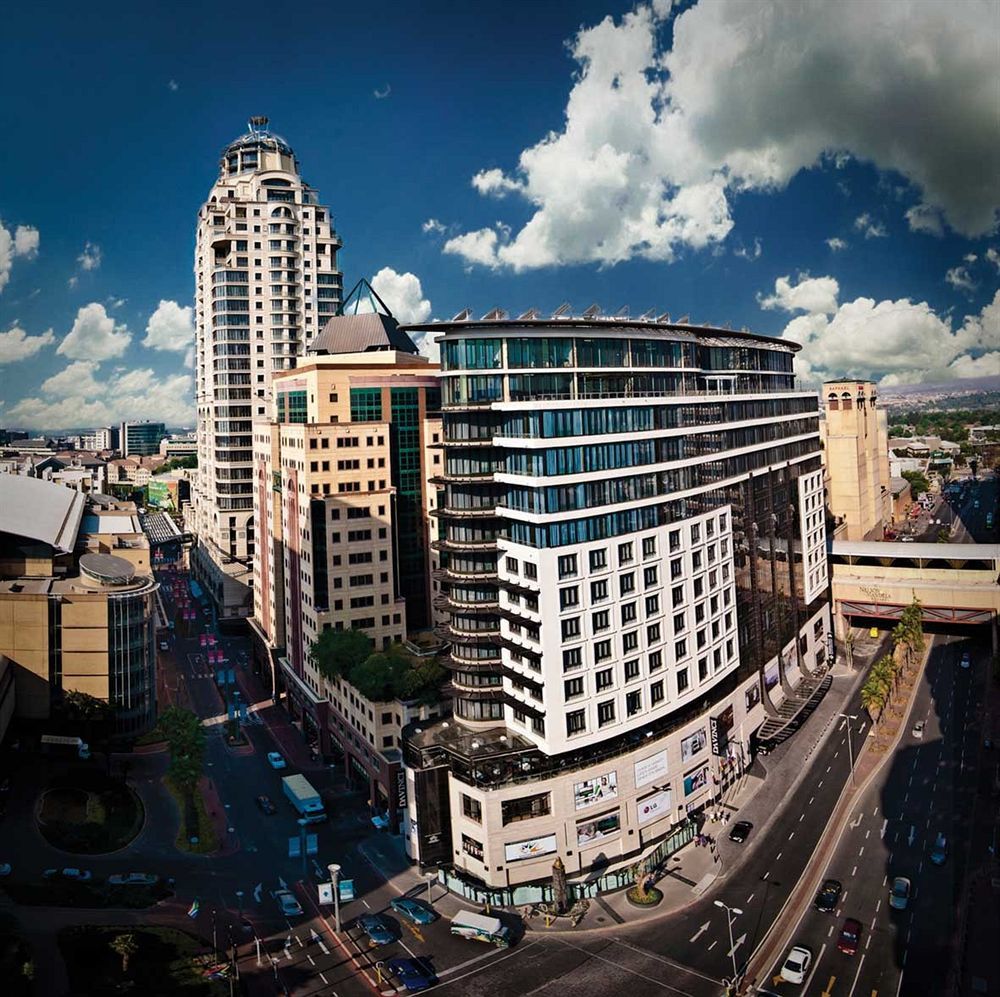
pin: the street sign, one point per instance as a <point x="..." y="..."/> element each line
<point x="294" y="848"/>
<point x="312" y="844"/>
<point x="326" y="893"/>
<point x="346" y="889"/>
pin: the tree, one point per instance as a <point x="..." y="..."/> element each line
<point x="872" y="699"/>
<point x="337" y="652"/>
<point x="918" y="483"/>
<point x="125" y="946"/>
<point x="376" y="677"/>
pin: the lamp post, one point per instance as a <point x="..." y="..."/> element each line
<point x="335" y="880"/>
<point x="731" y="914"/>
<point x="850" y="747"/>
<point x="430" y="882"/>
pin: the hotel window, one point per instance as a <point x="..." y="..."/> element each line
<point x="656" y="692"/>
<point x="625" y="554"/>
<point x="681" y="649"/>
<point x="527" y="807"/>
<point x="649" y="547"/>
<point x="677" y="596"/>
<point x="598" y="559"/>
<point x="702" y="669"/>
<point x="652" y="605"/>
<point x="655" y="660"/>
<point x="601" y="621"/>
<point x="679" y="623"/>
<point x="569" y="597"/>
<point x="652" y="633"/>
<point x="626" y="583"/>
<point x="572" y="658"/>
<point x="633" y="702"/>
<point x="567" y="566"/>
<point x="650" y="576"/>
<point x="598" y="590"/>
<point x="573" y="688"/>
<point x="604" y="679"/>
<point x="575" y="722"/>
<point x="630" y="641"/>
<point x="511" y="565"/>
<point x="602" y="650"/>
<point x="631" y="669"/>
<point x="628" y="613"/>
<point x="696" y="560"/>
<point x="695" y="534"/>
<point x="571" y="628"/>
<point x="605" y="713"/>
<point x="682" y="680"/>
<point x="530" y="570"/>
<point x="675" y="541"/>
<point x="472" y="809"/>
<point x="676" y="568"/>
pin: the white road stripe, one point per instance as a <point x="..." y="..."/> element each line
<point x="857" y="975"/>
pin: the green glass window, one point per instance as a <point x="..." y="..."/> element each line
<point x="366" y="404"/>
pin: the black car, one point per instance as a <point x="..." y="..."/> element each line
<point x="265" y="805"/>
<point x="828" y="896"/>
<point x="741" y="831"/>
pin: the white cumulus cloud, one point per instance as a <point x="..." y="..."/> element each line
<point x="433" y="226"/>
<point x="22" y="242"/>
<point x="654" y="141"/>
<point x="91" y="257"/>
<point x="170" y="327"/>
<point x="816" y="295"/>
<point x="994" y="257"/>
<point x="924" y="218"/>
<point x="76" y="380"/>
<point x="960" y="279"/>
<point x="94" y="336"/>
<point x="836" y="245"/>
<point x="16" y="344"/>
<point x="403" y="295"/>
<point x="869" y="227"/>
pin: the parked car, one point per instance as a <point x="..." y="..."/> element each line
<point x="796" y="964"/>
<point x="377" y="928"/>
<point x="413" y="910"/>
<point x="276" y="760"/>
<point x="850" y="936"/>
<point x="133" y="879"/>
<point x="828" y="896"/>
<point x="918" y="729"/>
<point x="741" y="831"/>
<point x="965" y="661"/>
<point x="76" y="875"/>
<point x="290" y="907"/>
<point x="939" y="853"/>
<point x="414" y="974"/>
<point x="265" y="806"/>
<point x="899" y="895"/>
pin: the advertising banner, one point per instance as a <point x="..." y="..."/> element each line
<point x="695" y="780"/>
<point x="771" y="676"/>
<point x="158" y="495"/>
<point x="650" y="769"/>
<point x="693" y="743"/>
<point x="531" y="848"/>
<point x="600" y="789"/>
<point x="719" y="727"/>
<point x="606" y="826"/>
<point x="654" y="807"/>
<point x="753" y="696"/>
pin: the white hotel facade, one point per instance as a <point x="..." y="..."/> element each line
<point x="266" y="281"/>
<point x="633" y="571"/>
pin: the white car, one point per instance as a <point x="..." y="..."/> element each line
<point x="796" y="964"/>
<point x="290" y="907"/>
<point x="918" y="729"/>
<point x="78" y="875"/>
<point x="275" y="760"/>
<point x="132" y="879"/>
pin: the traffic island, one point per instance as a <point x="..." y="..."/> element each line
<point x="88" y="813"/>
<point x="156" y="962"/>
<point x="197" y="834"/>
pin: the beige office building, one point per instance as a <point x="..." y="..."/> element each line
<point x="342" y="497"/>
<point x="266" y="281"/>
<point x="76" y="601"/>
<point x="855" y="439"/>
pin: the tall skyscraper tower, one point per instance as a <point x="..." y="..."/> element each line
<point x="266" y="281"/>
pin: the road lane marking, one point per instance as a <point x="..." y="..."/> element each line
<point x="819" y="959"/>
<point x="324" y="979"/>
<point x="885" y="824"/>
<point x="766" y="874"/>
<point x="322" y="945"/>
<point x="869" y="831"/>
<point x="712" y="946"/>
<point x="792" y="835"/>
<point x="811" y="798"/>
<point x="802" y="817"/>
<point x="857" y="975"/>
<point x="830" y="932"/>
<point x="862" y="851"/>
<point x="879" y="904"/>
<point x="700" y="932"/>
<point x="828" y="992"/>
<point x="750" y="898"/>
<point x="854" y="871"/>
<point x="312" y="961"/>
<point x="778" y="856"/>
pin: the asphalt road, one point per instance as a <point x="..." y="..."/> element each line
<point x="926" y="789"/>
<point x="964" y="515"/>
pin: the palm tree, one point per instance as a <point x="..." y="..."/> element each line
<point x="126" y="946"/>
<point x="872" y="698"/>
<point x="881" y="674"/>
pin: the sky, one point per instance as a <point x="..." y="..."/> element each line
<point x="828" y="172"/>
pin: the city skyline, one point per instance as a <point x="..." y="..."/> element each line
<point x="876" y="251"/>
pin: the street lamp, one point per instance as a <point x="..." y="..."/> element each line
<point x="430" y="882"/>
<point x="335" y="880"/>
<point x="850" y="747"/>
<point x="731" y="914"/>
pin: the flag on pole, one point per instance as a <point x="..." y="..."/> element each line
<point x="193" y="909"/>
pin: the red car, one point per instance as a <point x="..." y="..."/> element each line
<point x="850" y="936"/>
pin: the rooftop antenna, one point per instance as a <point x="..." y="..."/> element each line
<point x="494" y="315"/>
<point x="648" y="316"/>
<point x="592" y="312"/>
<point x="562" y="311"/>
<point x="530" y="315"/>
<point x="463" y="316"/>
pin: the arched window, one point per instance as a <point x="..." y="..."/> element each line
<point x="845" y="399"/>
<point x="282" y="212"/>
<point x="833" y="402"/>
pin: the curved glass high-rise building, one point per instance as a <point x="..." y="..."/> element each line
<point x="633" y="569"/>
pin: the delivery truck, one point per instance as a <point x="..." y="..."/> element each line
<point x="307" y="802"/>
<point x="480" y="928"/>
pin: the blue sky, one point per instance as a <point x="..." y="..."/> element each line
<point x="697" y="159"/>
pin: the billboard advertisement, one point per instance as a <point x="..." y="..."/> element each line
<point x="650" y="769"/>
<point x="693" y="743"/>
<point x="531" y="848"/>
<point x="695" y="780"/>
<point x="653" y="807"/>
<point x="771" y="676"/>
<point x="720" y="727"/>
<point x="606" y="826"/>
<point x="158" y="494"/>
<point x="597" y="790"/>
<point x="753" y="696"/>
